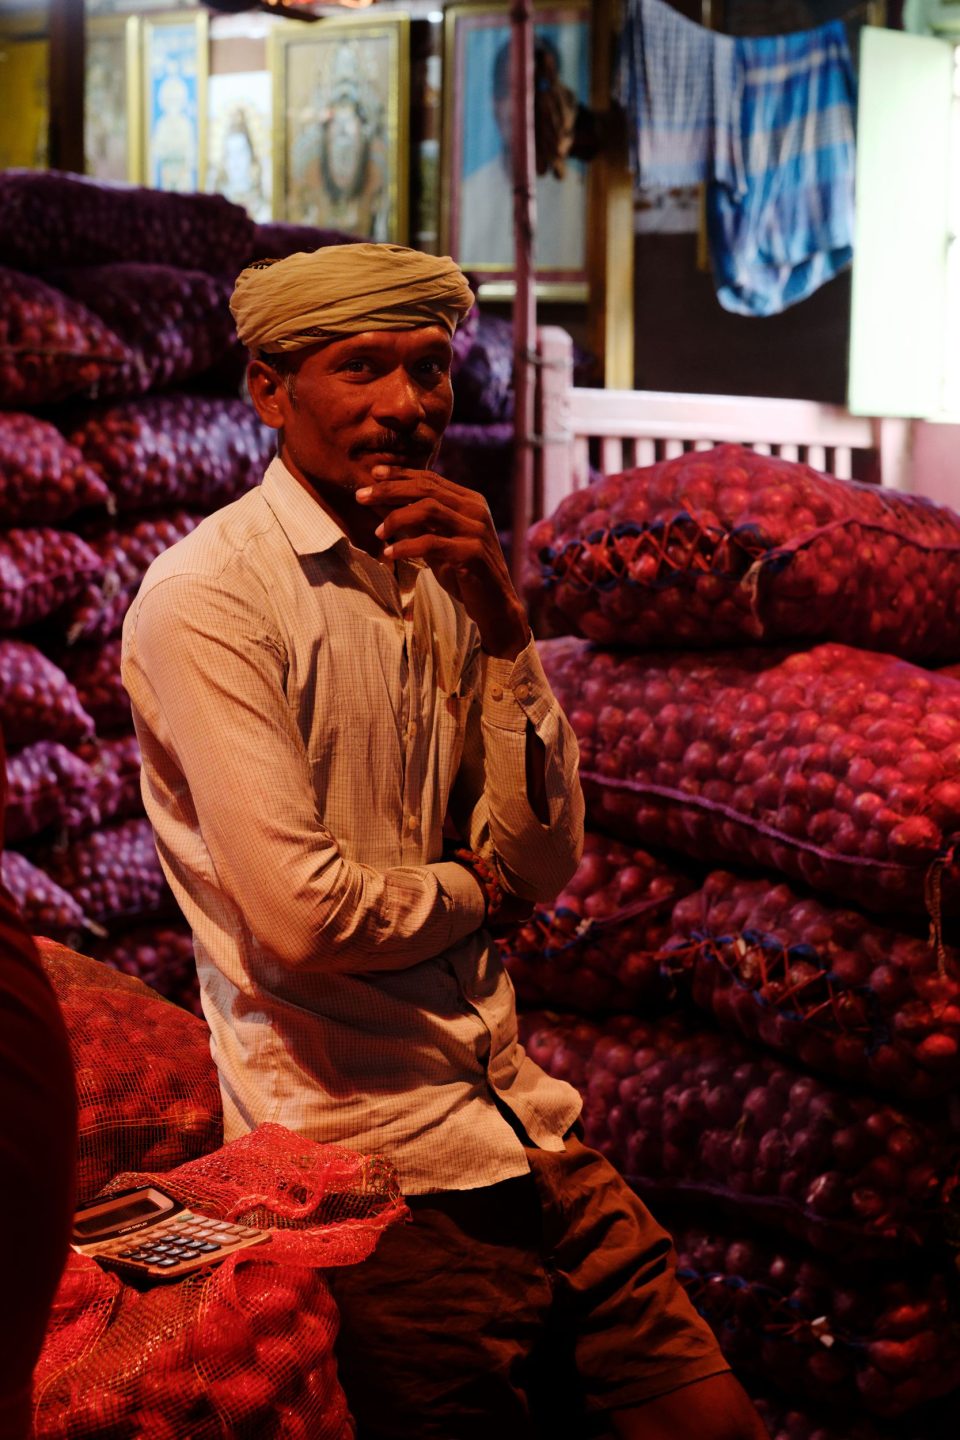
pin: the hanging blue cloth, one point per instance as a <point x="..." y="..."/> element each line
<point x="780" y="208"/>
<point x="673" y="79"/>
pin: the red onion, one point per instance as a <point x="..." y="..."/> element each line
<point x="46" y="907"/>
<point x="95" y="672"/>
<point x="785" y="748"/>
<point x="43" y="479"/>
<point x="728" y="546"/>
<point x="113" y="873"/>
<point x="48" y="788"/>
<point x="40" y="571"/>
<point x="37" y="700"/>
<point x="125" y="550"/>
<point x="115" y="764"/>
<point x="595" y="948"/>
<point x="159" y="955"/>
<point x="51" y="347"/>
<point x="702" y="1115"/>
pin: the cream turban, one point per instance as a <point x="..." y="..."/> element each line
<point x="343" y="290"/>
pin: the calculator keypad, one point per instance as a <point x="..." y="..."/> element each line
<point x="185" y="1240"/>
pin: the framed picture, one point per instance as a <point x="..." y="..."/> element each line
<point x="25" y="113"/>
<point x="175" y="102"/>
<point x="477" y="186"/>
<point x="240" y="161"/>
<point x="341" y="127"/>
<point x="111" y="98"/>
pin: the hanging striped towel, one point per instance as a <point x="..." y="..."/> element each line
<point x="780" y="209"/>
<point x="674" y="79"/>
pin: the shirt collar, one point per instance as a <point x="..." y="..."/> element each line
<point x="305" y="523"/>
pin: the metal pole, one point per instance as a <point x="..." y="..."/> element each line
<point x="525" y="299"/>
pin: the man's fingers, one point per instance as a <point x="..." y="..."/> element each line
<point x="429" y="516"/>
<point x="459" y="551"/>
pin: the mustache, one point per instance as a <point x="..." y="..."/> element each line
<point x="388" y="442"/>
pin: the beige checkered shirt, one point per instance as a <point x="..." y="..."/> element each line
<point x="305" y="715"/>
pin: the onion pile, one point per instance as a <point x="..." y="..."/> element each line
<point x="787" y="1421"/>
<point x="126" y="550"/>
<point x="484" y="393"/>
<point x="275" y="240"/>
<point x="837" y="767"/>
<point x="189" y="450"/>
<point x="49" y="219"/>
<point x="113" y="873"/>
<point x="46" y="907"/>
<point x="48" y="788"/>
<point x="176" y="323"/>
<point x="115" y="763"/>
<point x="889" y="1344"/>
<point x="146" y="1085"/>
<point x="159" y="955"/>
<point x="43" y="478"/>
<point x="95" y="672"/>
<point x="729" y="546"/>
<point x="689" y="1113"/>
<point x="37" y="701"/>
<point x="822" y="985"/>
<point x="51" y="347"/>
<point x="595" y="948"/>
<point x="40" y="571"/>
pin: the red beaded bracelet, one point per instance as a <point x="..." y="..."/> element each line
<point x="485" y="876"/>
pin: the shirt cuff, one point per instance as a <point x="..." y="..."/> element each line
<point x="466" y="902"/>
<point x="515" y="691"/>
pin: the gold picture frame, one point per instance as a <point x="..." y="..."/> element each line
<point x="474" y="144"/>
<point x="341" y="103"/>
<point x="173" y="103"/>
<point x="113" y="120"/>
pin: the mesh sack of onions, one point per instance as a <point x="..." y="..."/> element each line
<point x="113" y="873"/>
<point x="275" y="240"/>
<point x="192" y="450"/>
<point x="837" y="767"/>
<point x="176" y="323"/>
<point x="820" y="984"/>
<point x="242" y="1349"/>
<point x="115" y="763"/>
<point x="730" y="547"/>
<point x="837" y="1339"/>
<point x="146" y="1085"/>
<point x="48" y="788"/>
<point x="595" y="948"/>
<point x="688" y="1113"/>
<point x="94" y="671"/>
<point x="37" y="701"/>
<point x="51" y="347"/>
<point x="50" y="219"/>
<point x="40" y="571"/>
<point x="46" y="907"/>
<point x="126" y="549"/>
<point x="159" y="955"/>
<point x="484" y="392"/>
<point x="43" y="478"/>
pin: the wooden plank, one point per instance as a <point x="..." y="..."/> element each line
<point x="726" y="418"/>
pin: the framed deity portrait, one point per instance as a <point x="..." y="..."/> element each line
<point x="111" y="98"/>
<point x="239" y="140"/>
<point x="341" y="129"/>
<point x="174" y="102"/>
<point x="477" y="185"/>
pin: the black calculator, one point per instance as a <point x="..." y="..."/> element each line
<point x="145" y="1233"/>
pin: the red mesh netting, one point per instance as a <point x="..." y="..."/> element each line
<point x="684" y="1112"/>
<point x="146" y="1085"/>
<point x="37" y="701"/>
<point x="159" y="955"/>
<point x="819" y="1335"/>
<point x="823" y="985"/>
<point x="43" y="479"/>
<point x="51" y="347"/>
<point x="126" y="550"/>
<point x="49" y="218"/>
<point x="40" y="570"/>
<point x="729" y="546"/>
<point x="595" y="948"/>
<point x="193" y="450"/>
<point x="838" y="767"/>
<point x="245" y="1349"/>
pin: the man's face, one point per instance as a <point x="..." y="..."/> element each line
<point x="380" y="398"/>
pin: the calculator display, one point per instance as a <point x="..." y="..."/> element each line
<point x="137" y="1209"/>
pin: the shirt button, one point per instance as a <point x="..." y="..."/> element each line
<point x="496" y="693"/>
<point x="413" y="822"/>
<point x="522" y="692"/>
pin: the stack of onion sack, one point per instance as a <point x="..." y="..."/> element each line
<point x="244" y="1349"/>
<point x="727" y="547"/>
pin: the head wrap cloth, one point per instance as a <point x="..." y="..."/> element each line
<point x="342" y="290"/>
